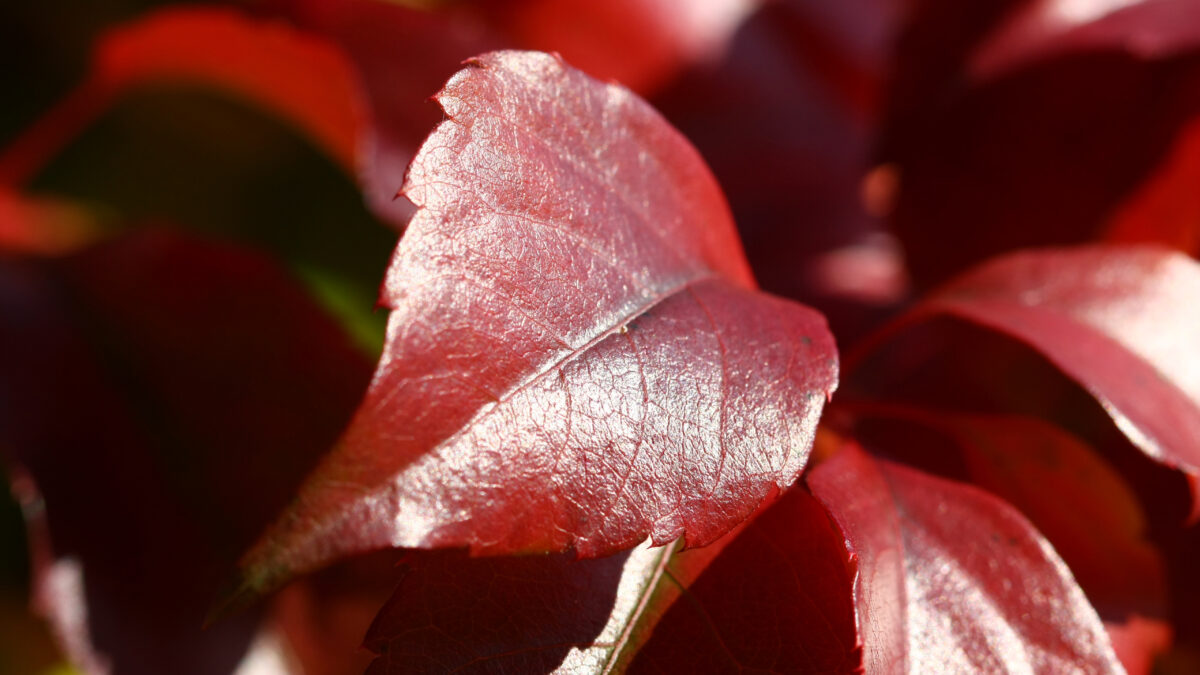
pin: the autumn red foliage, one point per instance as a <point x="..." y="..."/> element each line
<point x="789" y="336"/>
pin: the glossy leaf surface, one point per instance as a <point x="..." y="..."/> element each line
<point x="1118" y="321"/>
<point x="576" y="357"/>
<point x="162" y="417"/>
<point x="953" y="579"/>
<point x="1038" y="468"/>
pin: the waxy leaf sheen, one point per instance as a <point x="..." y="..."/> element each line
<point x="1120" y="321"/>
<point x="952" y="579"/>
<point x="1066" y="489"/>
<point x="576" y="356"/>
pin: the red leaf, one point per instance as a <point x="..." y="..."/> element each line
<point x="1118" y="321"/>
<point x="1044" y="29"/>
<point x="777" y="599"/>
<point x="576" y="359"/>
<point x="951" y="578"/>
<point x="298" y="77"/>
<point x="1166" y="208"/>
<point x="1037" y="468"/>
<point x="166" y="396"/>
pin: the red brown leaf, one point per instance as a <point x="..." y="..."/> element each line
<point x="1117" y="320"/>
<point x="950" y="578"/>
<point x="785" y="116"/>
<point x="576" y="356"/>
<point x="1103" y="535"/>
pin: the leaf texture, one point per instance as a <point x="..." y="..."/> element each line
<point x="576" y="357"/>
<point x="951" y="579"/>
<point x="1102" y="536"/>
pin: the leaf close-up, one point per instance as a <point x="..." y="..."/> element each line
<point x="576" y="357"/>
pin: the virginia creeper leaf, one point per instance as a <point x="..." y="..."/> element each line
<point x="576" y="358"/>
<point x="296" y="76"/>
<point x="166" y="395"/>
<point x="1165" y="209"/>
<point x="776" y="96"/>
<point x="1117" y="320"/>
<point x="1038" y="468"/>
<point x="950" y="578"/>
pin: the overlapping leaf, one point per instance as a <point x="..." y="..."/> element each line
<point x="950" y="578"/>
<point x="1116" y="320"/>
<point x="1038" y="468"/>
<point x="576" y="357"/>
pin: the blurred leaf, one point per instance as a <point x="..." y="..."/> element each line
<point x="166" y="395"/>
